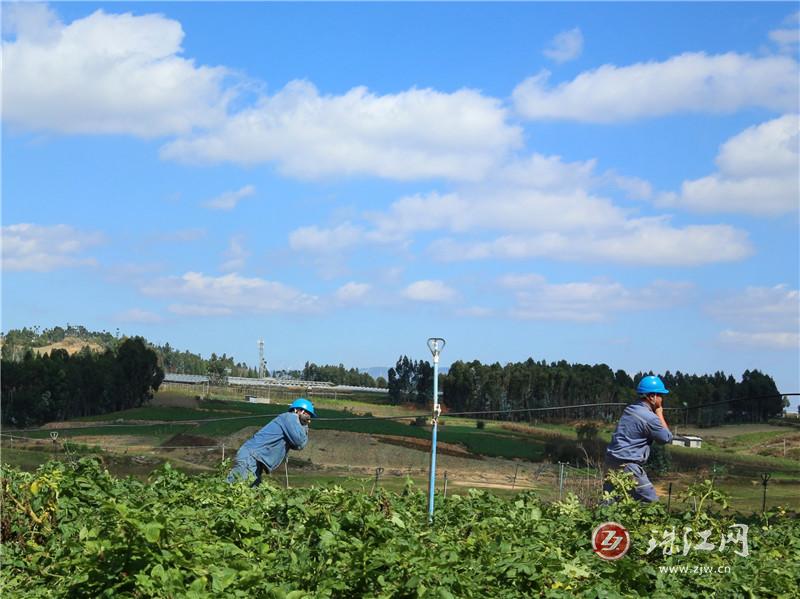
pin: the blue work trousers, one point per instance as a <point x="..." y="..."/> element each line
<point x="644" y="491"/>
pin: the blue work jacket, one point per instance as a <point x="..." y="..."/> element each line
<point x="271" y="443"/>
<point x="637" y="429"/>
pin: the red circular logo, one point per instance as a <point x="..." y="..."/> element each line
<point x="611" y="540"/>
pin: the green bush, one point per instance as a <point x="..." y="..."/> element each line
<point x="73" y="530"/>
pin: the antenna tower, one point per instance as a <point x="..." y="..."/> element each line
<point x="261" y="363"/>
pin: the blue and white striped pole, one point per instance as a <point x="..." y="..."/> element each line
<point x="436" y="345"/>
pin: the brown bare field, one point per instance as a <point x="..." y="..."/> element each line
<point x="71" y="344"/>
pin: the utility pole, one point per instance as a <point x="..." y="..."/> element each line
<point x="436" y="345"/>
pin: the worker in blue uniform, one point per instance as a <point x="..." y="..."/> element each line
<point x="641" y="424"/>
<point x="265" y="450"/>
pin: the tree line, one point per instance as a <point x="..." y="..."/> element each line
<point x="16" y="342"/>
<point x="59" y="386"/>
<point x="509" y="391"/>
<point x="339" y="375"/>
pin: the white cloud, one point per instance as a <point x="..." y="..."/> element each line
<point x="419" y="133"/>
<point x="592" y="301"/>
<point x="497" y="208"/>
<point x="228" y="294"/>
<point x="772" y="308"/>
<point x="105" y="73"/>
<point x="429" y="291"/>
<point x="236" y="255"/>
<point x="759" y="173"/>
<point x="229" y="199"/>
<point x="42" y="248"/>
<point x="747" y="340"/>
<point x="641" y="242"/>
<point x="566" y="46"/>
<point x="139" y="316"/>
<point x="633" y="187"/>
<point x="30" y="21"/>
<point x="690" y="82"/>
<point x="316" y="239"/>
<point x="353" y="293"/>
<point x="764" y="317"/>
<point x="540" y="207"/>
<point x="787" y="38"/>
<point x="546" y="173"/>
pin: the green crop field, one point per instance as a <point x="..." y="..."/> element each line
<point x="70" y="529"/>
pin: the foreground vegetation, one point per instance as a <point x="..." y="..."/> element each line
<point x="73" y="530"/>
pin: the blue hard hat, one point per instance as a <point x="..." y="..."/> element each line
<point x="651" y="384"/>
<point x="304" y="404"/>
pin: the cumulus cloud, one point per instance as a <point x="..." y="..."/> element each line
<point x="787" y="38"/>
<point x="353" y="293"/>
<point x="43" y="248"/>
<point x="419" y="133"/>
<point x="537" y="206"/>
<point x="690" y="82"/>
<point x="198" y="294"/>
<point x="767" y="317"/>
<point x="747" y="340"/>
<point x="586" y="301"/>
<point x="322" y="240"/>
<point x="229" y="199"/>
<point x="759" y="173"/>
<point x="566" y="46"/>
<point x="236" y="255"/>
<point x="105" y="73"/>
<point x="640" y="242"/>
<point x="546" y="173"/>
<point x="430" y="291"/>
<point x="507" y="209"/>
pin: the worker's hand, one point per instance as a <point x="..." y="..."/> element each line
<point x="659" y="411"/>
<point x="658" y="403"/>
<point x="305" y="418"/>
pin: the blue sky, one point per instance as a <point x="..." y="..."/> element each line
<point x="597" y="182"/>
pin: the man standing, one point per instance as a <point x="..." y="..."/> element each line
<point x="641" y="424"/>
<point x="265" y="450"/>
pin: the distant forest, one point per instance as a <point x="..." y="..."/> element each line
<point x="520" y="391"/>
<point x="67" y="386"/>
<point x="60" y="386"/>
<point x="17" y="341"/>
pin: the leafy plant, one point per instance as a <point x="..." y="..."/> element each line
<point x="73" y="530"/>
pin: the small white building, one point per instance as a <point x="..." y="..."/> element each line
<point x="687" y="440"/>
<point x="254" y="399"/>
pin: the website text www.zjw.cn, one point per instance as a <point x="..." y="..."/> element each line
<point x="688" y="570"/>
